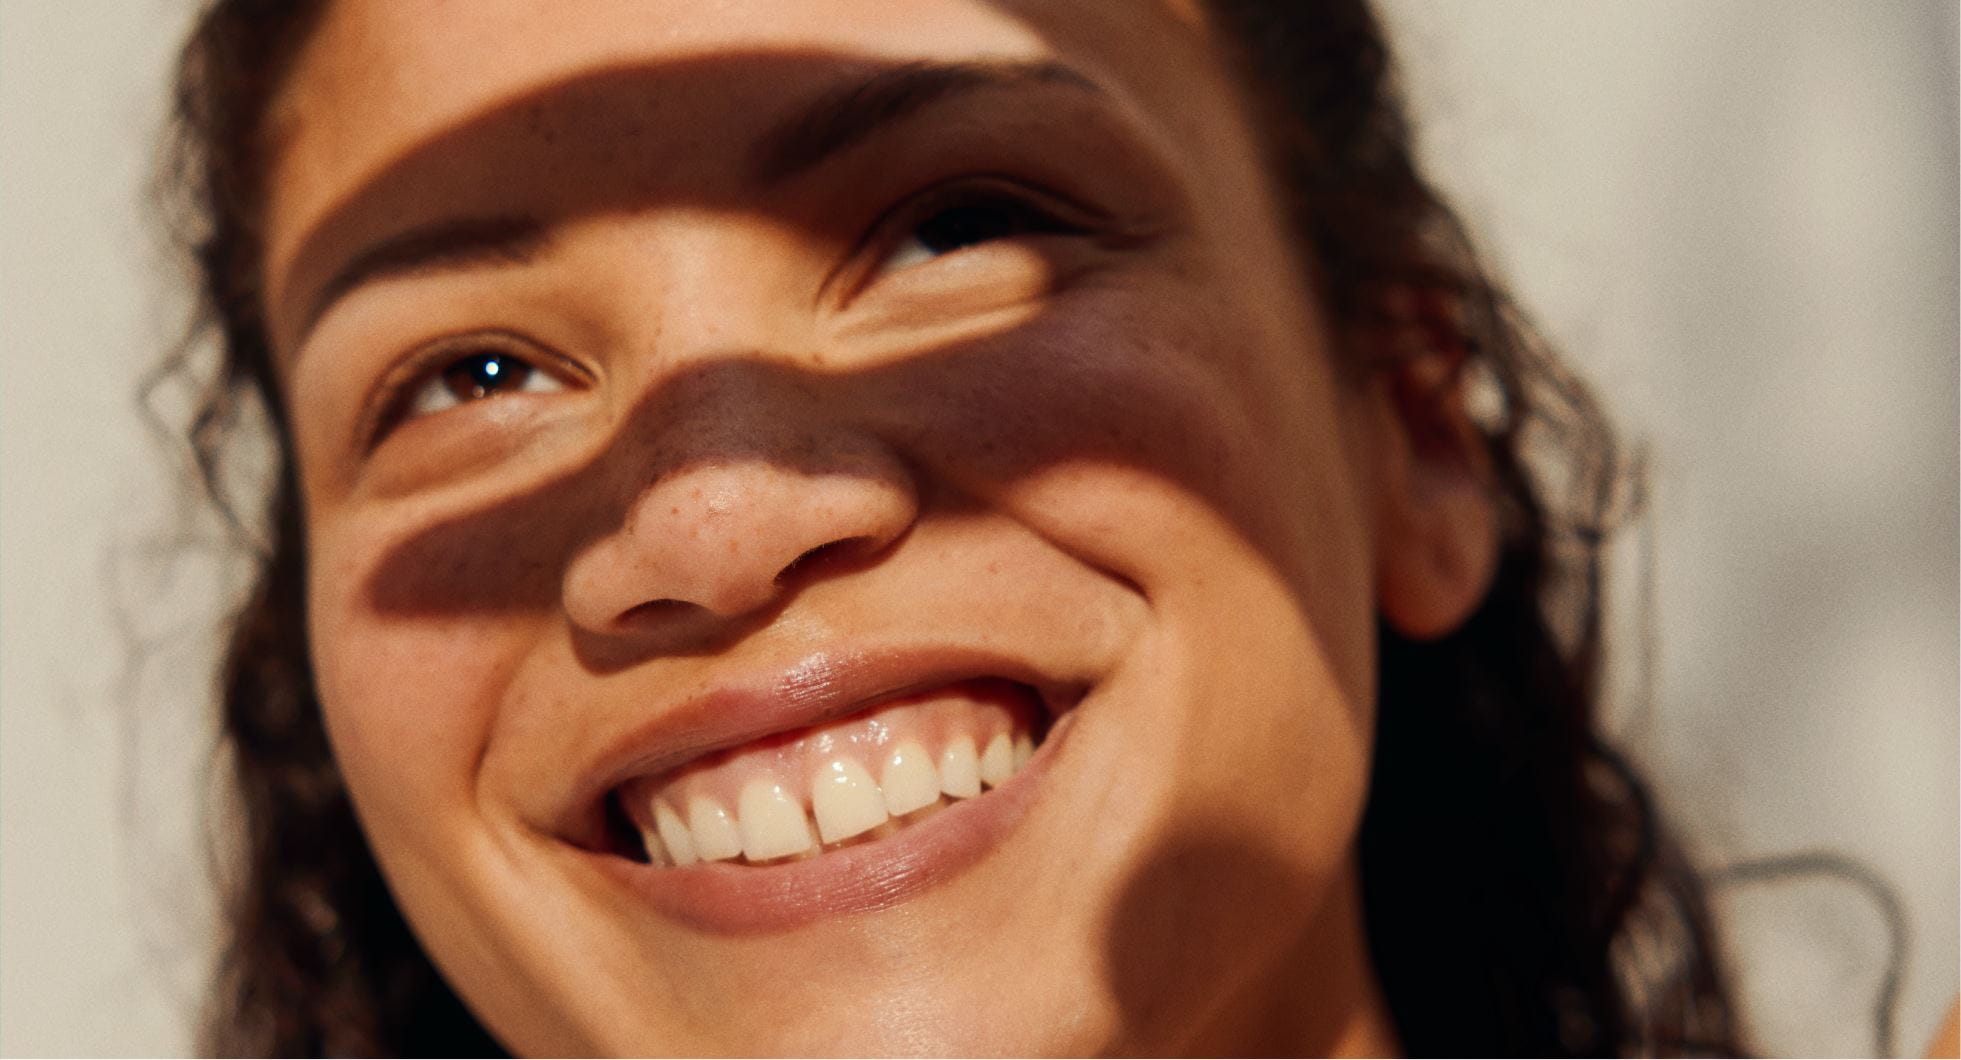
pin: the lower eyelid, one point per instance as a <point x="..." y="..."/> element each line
<point x="980" y="281"/>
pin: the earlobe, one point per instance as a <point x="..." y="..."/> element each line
<point x="1437" y="516"/>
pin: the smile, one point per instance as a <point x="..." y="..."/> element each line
<point x="793" y="796"/>
<point x="849" y="782"/>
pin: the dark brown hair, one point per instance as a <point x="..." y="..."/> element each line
<point x="1521" y="894"/>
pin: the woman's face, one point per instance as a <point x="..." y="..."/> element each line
<point x="732" y="434"/>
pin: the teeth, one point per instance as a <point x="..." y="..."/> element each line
<point x="715" y="835"/>
<point x="773" y="824"/>
<point x="656" y="853"/>
<point x="960" y="769"/>
<point x="939" y="803"/>
<point x="845" y="799"/>
<point x="910" y="781"/>
<point x="997" y="763"/>
<point x="674" y="836"/>
<point x="773" y="820"/>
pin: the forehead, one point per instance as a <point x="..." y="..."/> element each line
<point x="380" y="81"/>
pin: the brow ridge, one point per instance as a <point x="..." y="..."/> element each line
<point x="834" y="123"/>
<point x="453" y="243"/>
<point x="847" y="116"/>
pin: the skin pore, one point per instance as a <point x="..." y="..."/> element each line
<point x="830" y="337"/>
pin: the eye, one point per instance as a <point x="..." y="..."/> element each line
<point x="463" y="371"/>
<point x="474" y="377"/>
<point x="966" y="218"/>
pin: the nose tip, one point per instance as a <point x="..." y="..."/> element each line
<point x="730" y="540"/>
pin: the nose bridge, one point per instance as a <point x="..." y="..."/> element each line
<point x="730" y="479"/>
<point x="706" y="282"/>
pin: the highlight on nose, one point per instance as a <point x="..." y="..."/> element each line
<point x="730" y="539"/>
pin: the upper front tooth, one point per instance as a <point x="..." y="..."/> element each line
<point x="997" y="763"/>
<point x="773" y="824"/>
<point x="715" y="835"/>
<point x="910" y="781"/>
<point x="1024" y="750"/>
<point x="960" y="768"/>
<point x="845" y="800"/>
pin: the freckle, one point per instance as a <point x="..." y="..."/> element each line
<point x="676" y="510"/>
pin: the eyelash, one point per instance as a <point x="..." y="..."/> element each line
<point x="959" y="215"/>
<point x="968" y="202"/>
<point x="413" y="384"/>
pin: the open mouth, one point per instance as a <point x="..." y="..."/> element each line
<point x="796" y="795"/>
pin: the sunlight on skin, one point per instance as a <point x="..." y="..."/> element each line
<point x="1109" y="445"/>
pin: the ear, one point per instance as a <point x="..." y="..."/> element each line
<point x="1436" y="510"/>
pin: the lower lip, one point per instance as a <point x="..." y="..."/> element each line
<point x="742" y="899"/>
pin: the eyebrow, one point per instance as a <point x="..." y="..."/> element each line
<point x="846" y="116"/>
<point x="463" y="243"/>
<point x="832" y="124"/>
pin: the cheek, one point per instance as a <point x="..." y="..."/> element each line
<point x="1163" y="433"/>
<point x="1133" y="379"/>
<point x="410" y="702"/>
<point x="1194" y="446"/>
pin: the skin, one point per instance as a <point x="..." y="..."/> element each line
<point x="1123" y="453"/>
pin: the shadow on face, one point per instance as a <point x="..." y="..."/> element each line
<point x="1144" y="390"/>
<point x="1190" y="371"/>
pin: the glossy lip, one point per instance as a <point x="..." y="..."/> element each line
<point x="744" y="899"/>
<point x="821" y="687"/>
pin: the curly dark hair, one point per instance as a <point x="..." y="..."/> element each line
<point x="1572" y="924"/>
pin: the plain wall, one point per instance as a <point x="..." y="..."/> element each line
<point x="1738" y="218"/>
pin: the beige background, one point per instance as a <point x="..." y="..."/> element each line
<point x="1738" y="215"/>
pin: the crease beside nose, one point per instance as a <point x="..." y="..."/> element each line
<point x="730" y="539"/>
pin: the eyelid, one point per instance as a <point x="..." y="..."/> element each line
<point x="862" y="265"/>
<point x="385" y="407"/>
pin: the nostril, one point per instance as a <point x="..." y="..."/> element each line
<point x="655" y="610"/>
<point x="832" y="551"/>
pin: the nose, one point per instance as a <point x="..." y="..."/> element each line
<point x="731" y="536"/>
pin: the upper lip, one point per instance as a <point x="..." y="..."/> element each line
<point x="817" y="688"/>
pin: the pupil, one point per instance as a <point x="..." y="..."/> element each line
<point x="484" y="374"/>
<point x="965" y="226"/>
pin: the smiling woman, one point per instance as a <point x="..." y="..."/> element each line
<point x="956" y="527"/>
